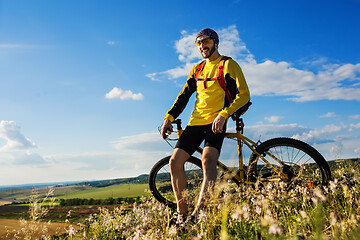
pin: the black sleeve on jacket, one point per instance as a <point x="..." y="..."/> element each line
<point x="183" y="98"/>
<point x="231" y="85"/>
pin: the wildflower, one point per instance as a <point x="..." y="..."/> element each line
<point x="241" y="213"/>
<point x="274" y="229"/>
<point x="267" y="220"/>
<point x="69" y="214"/>
<point x="202" y="216"/>
<point x="319" y="194"/>
<point x="236" y="216"/>
<point x="258" y="210"/>
<point x="172" y="230"/>
<point x="138" y="232"/>
<point x="333" y="218"/>
<point x="333" y="185"/>
<point x="315" y="200"/>
<point x="303" y="214"/>
<point x="346" y="190"/>
<point x="71" y="231"/>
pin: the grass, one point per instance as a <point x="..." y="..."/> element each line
<point x="77" y="191"/>
<point x="23" y="195"/>
<point x="263" y="212"/>
<point x="9" y="228"/>
<point x="269" y="212"/>
<point x="114" y="191"/>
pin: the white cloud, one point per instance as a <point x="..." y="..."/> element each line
<point x="14" y="46"/>
<point x="139" y="142"/>
<point x="332" y="141"/>
<point x="267" y="131"/>
<point x="15" y="140"/>
<point x="274" y="119"/>
<point x="357" y="150"/>
<point x="316" y="133"/>
<point x="16" y="148"/>
<point x="328" y="115"/>
<point x="136" y="154"/>
<point x="354" y="117"/>
<point x="186" y="47"/>
<point x="299" y="85"/>
<point x="353" y="127"/>
<point x="111" y="42"/>
<point x="123" y="94"/>
<point x="269" y="78"/>
<point x="230" y="45"/>
<point x="131" y="156"/>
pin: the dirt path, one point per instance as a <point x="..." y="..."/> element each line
<point x="2" y="203"/>
<point x="9" y="227"/>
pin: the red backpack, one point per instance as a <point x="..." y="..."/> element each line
<point x="221" y="79"/>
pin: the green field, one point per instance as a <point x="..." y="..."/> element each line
<point x="114" y="191"/>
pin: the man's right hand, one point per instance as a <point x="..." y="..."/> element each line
<point x="165" y="127"/>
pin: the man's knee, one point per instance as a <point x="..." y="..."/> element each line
<point x="210" y="156"/>
<point x="177" y="160"/>
<point x="209" y="168"/>
<point x="209" y="161"/>
<point x="175" y="165"/>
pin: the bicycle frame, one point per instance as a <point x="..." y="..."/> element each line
<point x="241" y="139"/>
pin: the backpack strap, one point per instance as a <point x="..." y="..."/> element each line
<point x="199" y="70"/>
<point x="219" y="77"/>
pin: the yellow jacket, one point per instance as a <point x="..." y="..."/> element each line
<point x="210" y="96"/>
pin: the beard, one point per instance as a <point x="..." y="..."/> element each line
<point x="209" y="52"/>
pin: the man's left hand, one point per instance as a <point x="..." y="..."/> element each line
<point x="218" y="124"/>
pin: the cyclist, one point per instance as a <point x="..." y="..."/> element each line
<point x="208" y="119"/>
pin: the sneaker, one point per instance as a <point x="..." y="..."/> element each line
<point x="190" y="220"/>
<point x="177" y="219"/>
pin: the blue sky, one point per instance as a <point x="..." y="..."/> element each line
<point x="84" y="85"/>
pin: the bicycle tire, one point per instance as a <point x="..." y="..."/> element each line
<point x="303" y="162"/>
<point x="160" y="179"/>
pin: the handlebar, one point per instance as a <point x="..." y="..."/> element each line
<point x="239" y="124"/>
<point x="178" y="123"/>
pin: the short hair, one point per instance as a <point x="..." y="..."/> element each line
<point x="208" y="32"/>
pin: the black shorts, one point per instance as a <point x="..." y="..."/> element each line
<point x="192" y="137"/>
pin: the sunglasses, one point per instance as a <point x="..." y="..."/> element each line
<point x="204" y="41"/>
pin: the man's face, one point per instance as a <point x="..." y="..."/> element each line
<point x="206" y="46"/>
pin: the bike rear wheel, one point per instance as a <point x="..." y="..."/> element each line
<point x="304" y="165"/>
<point x="160" y="180"/>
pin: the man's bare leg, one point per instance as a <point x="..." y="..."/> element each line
<point x="209" y="160"/>
<point x="178" y="178"/>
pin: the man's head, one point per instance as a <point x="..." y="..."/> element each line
<point x="207" y="41"/>
<point x="210" y="33"/>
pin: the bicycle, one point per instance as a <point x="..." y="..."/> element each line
<point x="277" y="159"/>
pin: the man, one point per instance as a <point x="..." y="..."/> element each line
<point x="208" y="119"/>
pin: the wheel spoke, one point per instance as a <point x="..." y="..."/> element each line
<point x="302" y="162"/>
<point x="160" y="179"/>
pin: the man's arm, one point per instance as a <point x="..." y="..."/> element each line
<point x="178" y="106"/>
<point x="166" y="126"/>
<point x="218" y="124"/>
<point x="235" y="75"/>
<point x="182" y="100"/>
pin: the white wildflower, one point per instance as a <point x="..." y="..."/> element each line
<point x="319" y="195"/>
<point x="274" y="229"/>
<point x="71" y="231"/>
<point x="333" y="218"/>
<point x="303" y="214"/>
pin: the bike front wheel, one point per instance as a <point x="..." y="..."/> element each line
<point x="160" y="180"/>
<point x="299" y="162"/>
